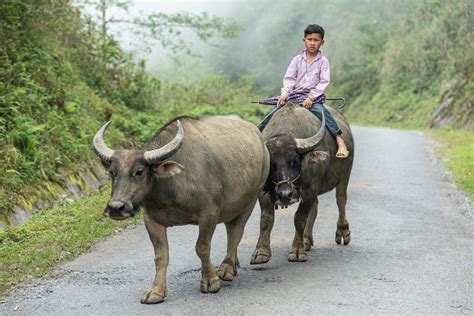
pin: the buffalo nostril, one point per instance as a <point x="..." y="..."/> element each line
<point x="116" y="206"/>
<point x="285" y="195"/>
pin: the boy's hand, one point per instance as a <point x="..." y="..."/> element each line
<point x="282" y="99"/>
<point x="308" y="103"/>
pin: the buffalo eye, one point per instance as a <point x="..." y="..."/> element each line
<point x="138" y="173"/>
<point x="112" y="174"/>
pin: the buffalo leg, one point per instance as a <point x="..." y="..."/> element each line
<point x="263" y="252"/>
<point x="158" y="291"/>
<point x="298" y="253"/>
<point x="210" y="281"/>
<point x="235" y="230"/>
<point x="342" y="232"/>
<point x="308" y="229"/>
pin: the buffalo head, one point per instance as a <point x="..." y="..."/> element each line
<point x="133" y="171"/>
<point x="287" y="153"/>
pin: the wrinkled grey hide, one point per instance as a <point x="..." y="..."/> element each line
<point x="210" y="171"/>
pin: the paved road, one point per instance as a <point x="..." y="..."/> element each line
<point x="411" y="252"/>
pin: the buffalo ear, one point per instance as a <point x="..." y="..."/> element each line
<point x="317" y="155"/>
<point x="168" y="169"/>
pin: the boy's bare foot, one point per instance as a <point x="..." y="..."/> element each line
<point x="342" y="151"/>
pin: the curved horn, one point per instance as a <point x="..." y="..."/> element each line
<point x="162" y="153"/>
<point x="308" y="144"/>
<point x="101" y="149"/>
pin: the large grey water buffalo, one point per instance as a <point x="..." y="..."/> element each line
<point x="302" y="166"/>
<point x="193" y="171"/>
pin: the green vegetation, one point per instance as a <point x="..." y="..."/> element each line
<point x="60" y="79"/>
<point x="53" y="236"/>
<point x="457" y="149"/>
<point x="53" y="94"/>
<point x="405" y="68"/>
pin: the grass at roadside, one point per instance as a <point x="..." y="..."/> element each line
<point x="458" y="151"/>
<point x="53" y="236"/>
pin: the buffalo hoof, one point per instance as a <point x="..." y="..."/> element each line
<point x="308" y="243"/>
<point x="212" y="285"/>
<point x="259" y="257"/>
<point x="343" y="234"/>
<point x="226" y="272"/>
<point x="153" y="296"/>
<point x="297" y="256"/>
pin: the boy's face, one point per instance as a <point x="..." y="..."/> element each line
<point x="313" y="42"/>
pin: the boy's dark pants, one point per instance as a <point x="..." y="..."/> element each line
<point x="316" y="109"/>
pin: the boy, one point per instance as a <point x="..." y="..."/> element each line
<point x="305" y="81"/>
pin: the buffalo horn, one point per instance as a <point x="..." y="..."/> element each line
<point x="310" y="143"/>
<point x="101" y="149"/>
<point x="162" y="153"/>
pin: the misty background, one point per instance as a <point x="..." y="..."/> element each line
<point x="272" y="35"/>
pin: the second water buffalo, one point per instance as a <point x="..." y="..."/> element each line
<point x="303" y="165"/>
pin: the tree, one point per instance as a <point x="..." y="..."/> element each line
<point x="164" y="28"/>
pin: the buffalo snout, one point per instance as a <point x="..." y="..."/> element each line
<point x="285" y="195"/>
<point x="116" y="206"/>
<point x="119" y="210"/>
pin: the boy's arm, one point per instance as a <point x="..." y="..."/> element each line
<point x="289" y="80"/>
<point x="324" y="78"/>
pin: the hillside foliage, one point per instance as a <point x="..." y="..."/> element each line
<point x="405" y="68"/>
<point x="59" y="83"/>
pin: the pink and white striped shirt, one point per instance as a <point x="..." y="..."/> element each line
<point x="303" y="77"/>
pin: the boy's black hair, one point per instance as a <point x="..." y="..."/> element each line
<point x="314" y="28"/>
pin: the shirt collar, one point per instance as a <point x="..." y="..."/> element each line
<point x="318" y="55"/>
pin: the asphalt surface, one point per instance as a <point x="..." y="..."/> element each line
<point x="411" y="252"/>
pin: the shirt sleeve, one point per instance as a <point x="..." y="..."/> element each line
<point x="289" y="80"/>
<point x="324" y="79"/>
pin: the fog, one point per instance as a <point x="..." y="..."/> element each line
<point x="272" y="34"/>
<point x="159" y="60"/>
